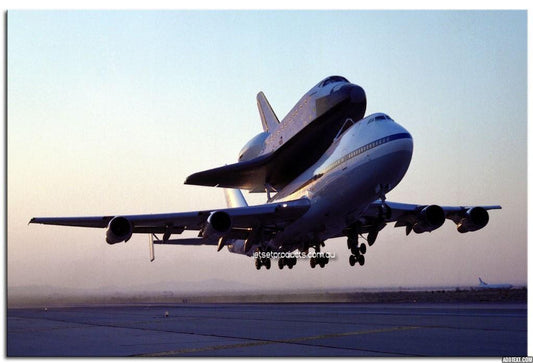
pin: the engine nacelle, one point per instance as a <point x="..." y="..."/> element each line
<point x="119" y="229"/>
<point x="218" y="224"/>
<point x="429" y="219"/>
<point x="474" y="219"/>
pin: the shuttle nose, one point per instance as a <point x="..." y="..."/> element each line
<point x="357" y="94"/>
<point x="357" y="99"/>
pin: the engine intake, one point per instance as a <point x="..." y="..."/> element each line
<point x="119" y="229"/>
<point x="218" y="224"/>
<point x="429" y="219"/>
<point x="474" y="219"/>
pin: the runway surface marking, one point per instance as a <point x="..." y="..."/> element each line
<point x="282" y="341"/>
<point x="336" y="330"/>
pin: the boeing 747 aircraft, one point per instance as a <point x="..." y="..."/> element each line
<point x="326" y="170"/>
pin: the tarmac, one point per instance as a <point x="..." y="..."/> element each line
<point x="251" y="330"/>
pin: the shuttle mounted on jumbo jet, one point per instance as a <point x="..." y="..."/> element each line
<point x="326" y="170"/>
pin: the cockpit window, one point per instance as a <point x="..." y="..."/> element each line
<point x="333" y="79"/>
<point x="380" y="118"/>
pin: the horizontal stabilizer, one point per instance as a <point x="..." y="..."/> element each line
<point x="268" y="117"/>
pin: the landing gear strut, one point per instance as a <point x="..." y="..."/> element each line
<point x="357" y="250"/>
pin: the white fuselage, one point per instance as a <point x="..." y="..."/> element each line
<point x="368" y="160"/>
<point x="363" y="163"/>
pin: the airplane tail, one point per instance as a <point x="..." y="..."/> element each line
<point x="268" y="117"/>
<point x="234" y="198"/>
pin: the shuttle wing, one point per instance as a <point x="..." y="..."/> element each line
<point x="248" y="175"/>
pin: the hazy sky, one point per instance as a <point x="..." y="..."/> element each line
<point x="109" y="112"/>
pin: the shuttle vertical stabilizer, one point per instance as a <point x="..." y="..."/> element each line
<point x="268" y="117"/>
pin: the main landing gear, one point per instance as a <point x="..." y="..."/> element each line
<point x="320" y="259"/>
<point x="286" y="261"/>
<point x="262" y="261"/>
<point x="358" y="251"/>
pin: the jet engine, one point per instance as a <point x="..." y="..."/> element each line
<point x="474" y="219"/>
<point x="218" y="224"/>
<point x="429" y="219"/>
<point x="119" y="229"/>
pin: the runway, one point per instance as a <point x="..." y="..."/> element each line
<point x="270" y="330"/>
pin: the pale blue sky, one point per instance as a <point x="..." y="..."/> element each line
<point x="108" y="112"/>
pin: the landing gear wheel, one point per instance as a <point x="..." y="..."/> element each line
<point x="257" y="263"/>
<point x="362" y="249"/>
<point x="267" y="264"/>
<point x="354" y="250"/>
<point x="281" y="263"/>
<point x="312" y="262"/>
<point x="352" y="260"/>
<point x="361" y="260"/>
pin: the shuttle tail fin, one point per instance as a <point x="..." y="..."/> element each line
<point x="234" y="198"/>
<point x="481" y="282"/>
<point x="268" y="117"/>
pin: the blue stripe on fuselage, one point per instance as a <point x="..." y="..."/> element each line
<point x="367" y="147"/>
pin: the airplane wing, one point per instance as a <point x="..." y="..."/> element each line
<point x="230" y="222"/>
<point x="423" y="218"/>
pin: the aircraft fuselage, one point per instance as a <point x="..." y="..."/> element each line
<point x="364" y="162"/>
